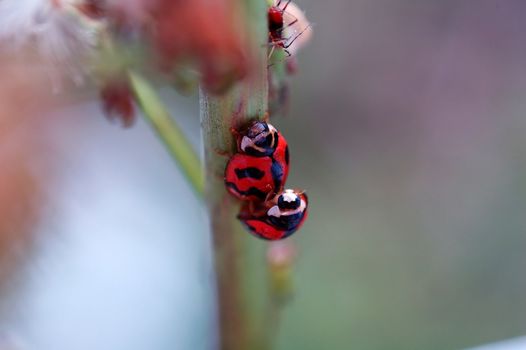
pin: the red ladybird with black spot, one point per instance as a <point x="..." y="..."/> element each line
<point x="276" y="219"/>
<point x="260" y="168"/>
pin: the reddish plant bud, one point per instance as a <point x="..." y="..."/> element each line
<point x="280" y="257"/>
<point x="204" y="31"/>
<point x="292" y="65"/>
<point x="94" y="9"/>
<point x="117" y="101"/>
<point x="281" y="254"/>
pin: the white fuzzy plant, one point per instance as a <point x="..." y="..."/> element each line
<point x="52" y="33"/>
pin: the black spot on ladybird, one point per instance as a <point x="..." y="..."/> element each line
<point x="284" y="205"/>
<point x="251" y="172"/>
<point x="252" y="191"/>
<point x="287" y="222"/>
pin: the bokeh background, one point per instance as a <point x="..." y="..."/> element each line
<point x="406" y="126"/>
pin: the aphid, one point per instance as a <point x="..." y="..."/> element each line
<point x="277" y="27"/>
<point x="288" y="31"/>
<point x="260" y="168"/>
<point x="278" y="218"/>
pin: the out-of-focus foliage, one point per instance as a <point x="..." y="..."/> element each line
<point x="407" y="126"/>
<point x="23" y="171"/>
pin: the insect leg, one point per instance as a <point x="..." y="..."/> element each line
<point x="271" y="52"/>
<point x="286" y="46"/>
<point x="285" y="7"/>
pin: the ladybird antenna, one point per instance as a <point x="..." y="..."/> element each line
<point x="279" y="3"/>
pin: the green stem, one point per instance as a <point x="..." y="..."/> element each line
<point x="239" y="257"/>
<point x="216" y="119"/>
<point x="169" y="132"/>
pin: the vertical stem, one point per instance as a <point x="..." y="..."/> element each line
<point x="216" y="116"/>
<point x="233" y="247"/>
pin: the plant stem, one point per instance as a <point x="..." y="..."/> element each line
<point x="235" y="251"/>
<point x="215" y="120"/>
<point x="168" y="131"/>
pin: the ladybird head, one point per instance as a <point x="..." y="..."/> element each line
<point x="260" y="140"/>
<point x="289" y="211"/>
<point x="289" y="200"/>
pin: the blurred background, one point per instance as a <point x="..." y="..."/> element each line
<point x="406" y="126"/>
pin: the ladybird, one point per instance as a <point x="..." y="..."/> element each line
<point x="279" y="218"/>
<point x="261" y="167"/>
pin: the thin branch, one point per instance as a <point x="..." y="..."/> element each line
<point x="168" y="131"/>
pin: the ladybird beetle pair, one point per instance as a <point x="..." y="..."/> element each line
<point x="256" y="175"/>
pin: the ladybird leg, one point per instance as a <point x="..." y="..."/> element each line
<point x="222" y="153"/>
<point x="256" y="208"/>
<point x="237" y="136"/>
<point x="243" y="215"/>
<point x="240" y="107"/>
<point x="269" y="196"/>
<point x="235" y="132"/>
<point x="238" y="116"/>
<point x="246" y="211"/>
